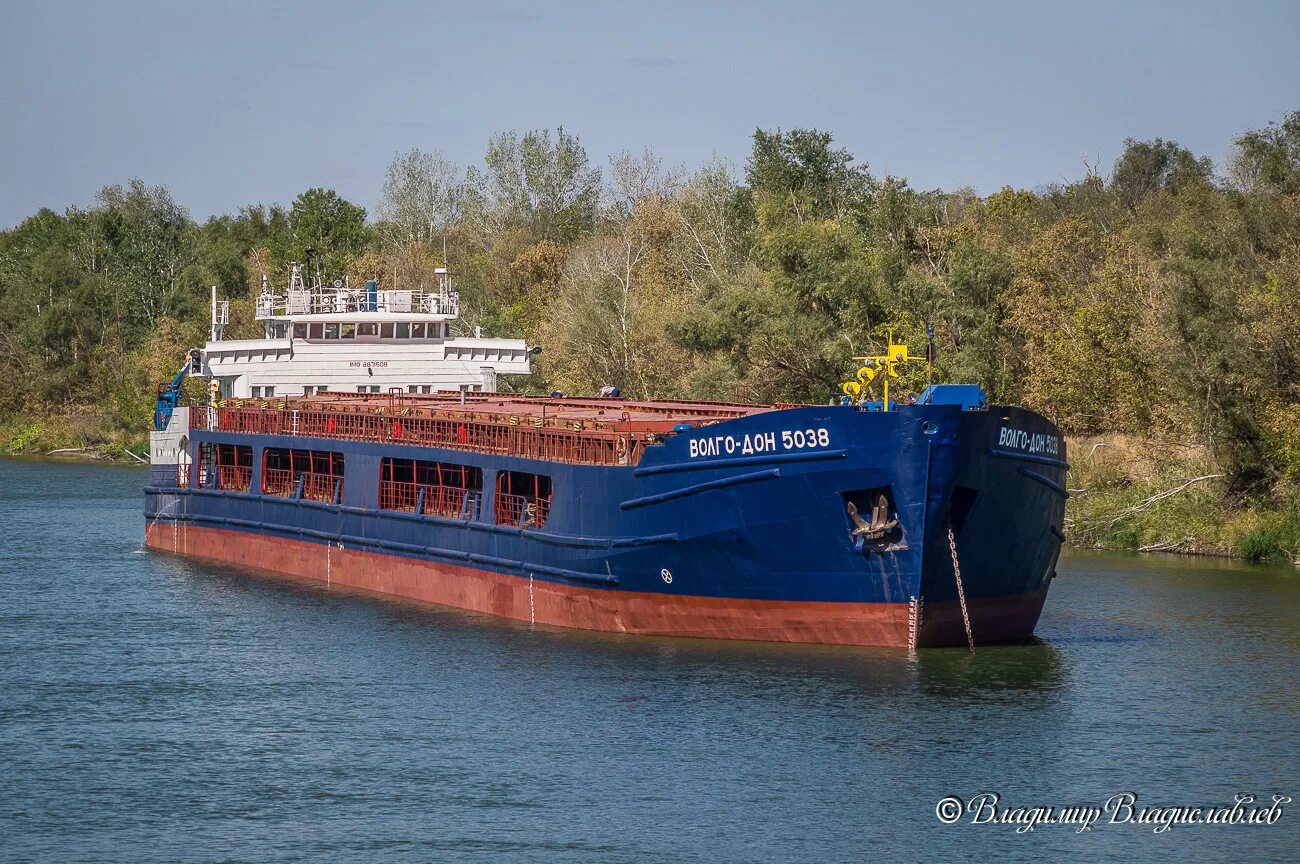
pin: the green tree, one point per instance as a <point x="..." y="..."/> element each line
<point x="144" y="242"/>
<point x="322" y="220"/>
<point x="1269" y="158"/>
<point x="1146" y="167"/>
<point x="421" y="199"/>
<point x="803" y="171"/>
<point x="544" y="187"/>
<point x="226" y="243"/>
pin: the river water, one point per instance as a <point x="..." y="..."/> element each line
<point x="153" y="709"/>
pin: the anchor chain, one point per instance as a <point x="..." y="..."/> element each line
<point x="913" y="619"/>
<point x="961" y="591"/>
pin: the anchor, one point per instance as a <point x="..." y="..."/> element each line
<point x="880" y="523"/>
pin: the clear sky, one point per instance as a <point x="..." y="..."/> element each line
<point x="228" y="103"/>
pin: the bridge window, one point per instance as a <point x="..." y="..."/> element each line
<point x="368" y="329"/>
<point x="403" y="330"/>
<point x="385" y="331"/>
<point x="523" y="499"/>
<point x="299" y="331"/>
<point x="315" y="331"/>
<point x="417" y="331"/>
<point x="347" y="331"/>
<point x="432" y="488"/>
<point x="320" y="473"/>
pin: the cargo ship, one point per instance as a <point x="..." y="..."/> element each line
<point x="360" y="444"/>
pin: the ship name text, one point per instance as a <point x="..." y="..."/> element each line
<point x="1035" y="442"/>
<point x="759" y="442"/>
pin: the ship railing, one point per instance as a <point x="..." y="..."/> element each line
<point x="553" y="443"/>
<point x="473" y="501"/>
<point x="522" y="511"/>
<point x="307" y="302"/>
<point x="395" y="495"/>
<point x="304" y="484"/>
<point x="451" y="502"/>
<point x="279" y="482"/>
<point x="234" y="478"/>
<point x="541" y="511"/>
<point x="510" y="508"/>
<point x="321" y="487"/>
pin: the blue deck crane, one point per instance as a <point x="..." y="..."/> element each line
<point x="170" y="394"/>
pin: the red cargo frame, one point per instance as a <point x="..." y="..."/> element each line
<point x="320" y="472"/>
<point x="431" y="488"/>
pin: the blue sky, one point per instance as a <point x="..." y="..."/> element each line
<point x="232" y="103"/>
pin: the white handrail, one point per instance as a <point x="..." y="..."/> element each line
<point x="293" y="303"/>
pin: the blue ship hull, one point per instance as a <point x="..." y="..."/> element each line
<point x="737" y="529"/>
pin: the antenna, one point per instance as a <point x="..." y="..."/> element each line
<point x="311" y="261"/>
<point x="929" y="354"/>
<point x="220" y="316"/>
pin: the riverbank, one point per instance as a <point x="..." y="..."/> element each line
<point x="1126" y="493"/>
<point x="84" y="435"/>
<point x="1147" y="495"/>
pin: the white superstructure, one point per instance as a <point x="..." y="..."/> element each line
<point x="343" y="339"/>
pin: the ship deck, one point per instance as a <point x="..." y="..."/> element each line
<point x="583" y="431"/>
<point x="479" y="405"/>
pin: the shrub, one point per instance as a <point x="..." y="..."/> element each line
<point x="1276" y="537"/>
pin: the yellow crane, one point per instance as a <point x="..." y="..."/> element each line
<point x="885" y="365"/>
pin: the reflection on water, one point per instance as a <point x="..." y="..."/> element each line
<point x="156" y="709"/>
<point x="943" y="672"/>
<point x="1032" y="668"/>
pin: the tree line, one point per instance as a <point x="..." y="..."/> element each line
<point x="1161" y="298"/>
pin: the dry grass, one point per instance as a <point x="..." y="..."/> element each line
<point x="1159" y="495"/>
<point x="90" y="429"/>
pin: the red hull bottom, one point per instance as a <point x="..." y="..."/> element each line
<point x="1000" y="619"/>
